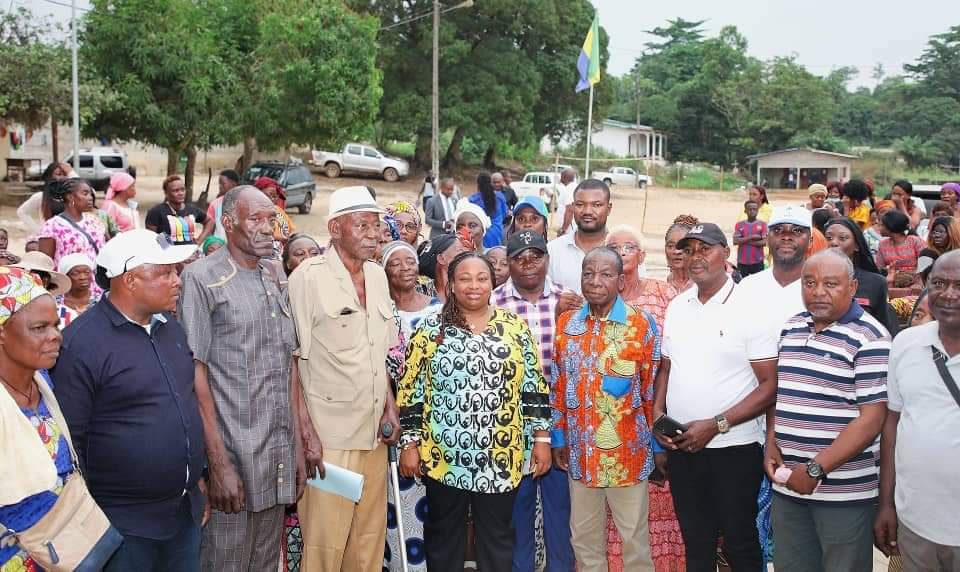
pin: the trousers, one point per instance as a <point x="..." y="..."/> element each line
<point x="555" y="499"/>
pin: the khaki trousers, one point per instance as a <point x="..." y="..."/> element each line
<point x="339" y="535"/>
<point x="588" y="525"/>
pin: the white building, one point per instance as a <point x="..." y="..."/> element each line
<point x="621" y="139"/>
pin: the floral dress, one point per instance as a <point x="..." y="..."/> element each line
<point x="413" y="495"/>
<point x="70" y="240"/>
<point x="30" y="510"/>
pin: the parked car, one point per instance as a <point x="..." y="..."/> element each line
<point x="622" y="176"/>
<point x="98" y="163"/>
<point x="362" y="160"/>
<point x="296" y="179"/>
<point x="543" y="184"/>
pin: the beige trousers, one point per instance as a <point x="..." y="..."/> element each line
<point x="339" y="535"/>
<point x="588" y="525"/>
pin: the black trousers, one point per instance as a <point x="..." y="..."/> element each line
<point x="715" y="492"/>
<point x="445" y="529"/>
<point x="748" y="269"/>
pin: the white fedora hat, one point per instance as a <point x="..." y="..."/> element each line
<point x="352" y="200"/>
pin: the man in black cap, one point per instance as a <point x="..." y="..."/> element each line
<point x="716" y="379"/>
<point x="530" y="294"/>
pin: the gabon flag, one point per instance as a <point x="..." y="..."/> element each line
<point x="588" y="64"/>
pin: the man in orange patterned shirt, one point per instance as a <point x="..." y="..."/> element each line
<point x="606" y="356"/>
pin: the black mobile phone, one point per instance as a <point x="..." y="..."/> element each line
<point x="668" y="426"/>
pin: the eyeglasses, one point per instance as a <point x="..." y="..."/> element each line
<point x="626" y="248"/>
<point x="410" y="227"/>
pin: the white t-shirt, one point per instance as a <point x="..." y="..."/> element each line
<point x="564" y="200"/>
<point x="766" y="303"/>
<point x="928" y="436"/>
<point x="566" y="262"/>
<point x="710" y="354"/>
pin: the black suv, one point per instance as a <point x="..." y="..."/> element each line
<point x="297" y="181"/>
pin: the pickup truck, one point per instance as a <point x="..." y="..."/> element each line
<point x="543" y="184"/>
<point x="361" y="160"/>
<point x="622" y="176"/>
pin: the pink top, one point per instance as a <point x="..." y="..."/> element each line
<point x="70" y="240"/>
<point x="127" y="218"/>
<point x="653" y="296"/>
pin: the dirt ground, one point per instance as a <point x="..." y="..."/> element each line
<point x="661" y="206"/>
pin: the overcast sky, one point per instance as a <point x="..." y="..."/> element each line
<point x="824" y="34"/>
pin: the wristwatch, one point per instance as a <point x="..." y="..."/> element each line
<point x="723" y="425"/>
<point x="815" y="471"/>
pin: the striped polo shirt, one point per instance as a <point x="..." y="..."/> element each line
<point x="823" y="379"/>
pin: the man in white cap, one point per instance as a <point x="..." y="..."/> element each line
<point x="773" y="296"/>
<point x="125" y="382"/>
<point x="239" y="327"/>
<point x="345" y="322"/>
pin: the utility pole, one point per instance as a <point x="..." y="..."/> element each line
<point x="435" y="128"/>
<point x="76" y="86"/>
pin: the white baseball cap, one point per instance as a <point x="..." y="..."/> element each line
<point x="134" y="248"/>
<point x="352" y="200"/>
<point x="791" y="214"/>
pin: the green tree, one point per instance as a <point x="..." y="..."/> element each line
<point x="938" y="67"/>
<point x="35" y="76"/>
<point x="507" y="72"/>
<point x="167" y="65"/>
<point x="316" y="83"/>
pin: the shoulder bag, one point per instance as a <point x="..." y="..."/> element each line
<point x="941" y="361"/>
<point x="75" y="535"/>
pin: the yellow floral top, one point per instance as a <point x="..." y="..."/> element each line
<point x="466" y="399"/>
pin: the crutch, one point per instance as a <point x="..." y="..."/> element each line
<point x="387" y="430"/>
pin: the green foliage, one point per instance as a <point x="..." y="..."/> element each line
<point x="718" y="104"/>
<point x="507" y="71"/>
<point x="35" y="74"/>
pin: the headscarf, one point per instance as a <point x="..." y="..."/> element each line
<point x="71" y="261"/>
<point x="264" y="183"/>
<point x="398" y="207"/>
<point x="391" y="223"/>
<point x="119" y="182"/>
<point x="816" y="189"/>
<point x="884" y="204"/>
<point x="210" y="241"/>
<point x="394" y="247"/>
<point x="468" y="207"/>
<point x="955" y="187"/>
<point x="18" y="288"/>
<point x="861" y="258"/>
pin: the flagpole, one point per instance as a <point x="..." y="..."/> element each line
<point x="586" y="175"/>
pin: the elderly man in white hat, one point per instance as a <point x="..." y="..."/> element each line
<point x="239" y="327"/>
<point x="344" y="319"/>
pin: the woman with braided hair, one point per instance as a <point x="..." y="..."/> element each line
<point x="471" y="396"/>
<point x="69" y="231"/>
<point x="677" y="279"/>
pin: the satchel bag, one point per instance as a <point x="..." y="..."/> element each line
<point x="941" y="362"/>
<point x="75" y="535"/>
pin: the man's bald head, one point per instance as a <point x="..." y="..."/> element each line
<point x="607" y="253"/>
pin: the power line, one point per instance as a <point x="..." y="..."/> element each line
<point x="65" y="5"/>
<point x="420" y="16"/>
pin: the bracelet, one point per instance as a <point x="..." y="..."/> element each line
<point x="542" y="440"/>
<point x="410" y="445"/>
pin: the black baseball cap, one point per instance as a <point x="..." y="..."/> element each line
<point x="705" y="232"/>
<point x="520" y="241"/>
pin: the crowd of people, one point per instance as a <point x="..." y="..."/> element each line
<point x="552" y="406"/>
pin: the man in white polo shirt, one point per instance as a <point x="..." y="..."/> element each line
<point x="716" y="377"/>
<point x="774" y="294"/>
<point x="920" y="444"/>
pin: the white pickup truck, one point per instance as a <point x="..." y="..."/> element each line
<point x="359" y="159"/>
<point x="622" y="176"/>
<point x="543" y="184"/>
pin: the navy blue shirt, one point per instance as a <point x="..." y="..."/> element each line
<point x="130" y="404"/>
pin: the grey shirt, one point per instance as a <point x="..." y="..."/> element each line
<point x="238" y="323"/>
